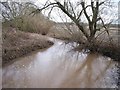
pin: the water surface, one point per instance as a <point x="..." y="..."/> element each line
<point x="59" y="67"/>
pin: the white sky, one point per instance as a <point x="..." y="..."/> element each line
<point x="55" y="13"/>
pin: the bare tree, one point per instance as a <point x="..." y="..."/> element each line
<point x="93" y="17"/>
<point x="11" y="10"/>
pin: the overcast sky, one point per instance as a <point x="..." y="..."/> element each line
<point x="110" y="13"/>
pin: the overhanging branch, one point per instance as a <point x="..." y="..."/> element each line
<point x="39" y="10"/>
<point x="72" y="18"/>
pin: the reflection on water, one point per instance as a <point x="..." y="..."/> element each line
<point x="61" y="68"/>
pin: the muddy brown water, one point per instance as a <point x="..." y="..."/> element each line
<point x="59" y="67"/>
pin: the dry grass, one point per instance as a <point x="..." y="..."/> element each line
<point x="22" y="35"/>
<point x="59" y="32"/>
<point x="31" y="23"/>
<point x="17" y="43"/>
<point x="109" y="49"/>
<point x="26" y="20"/>
<point x="66" y="32"/>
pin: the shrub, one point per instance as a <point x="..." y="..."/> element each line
<point x="25" y="21"/>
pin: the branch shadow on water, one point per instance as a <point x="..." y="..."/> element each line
<point x="87" y="74"/>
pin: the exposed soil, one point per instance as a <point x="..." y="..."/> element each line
<point x="17" y="43"/>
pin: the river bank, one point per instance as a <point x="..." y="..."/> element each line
<point x="106" y="45"/>
<point x="17" y="43"/>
